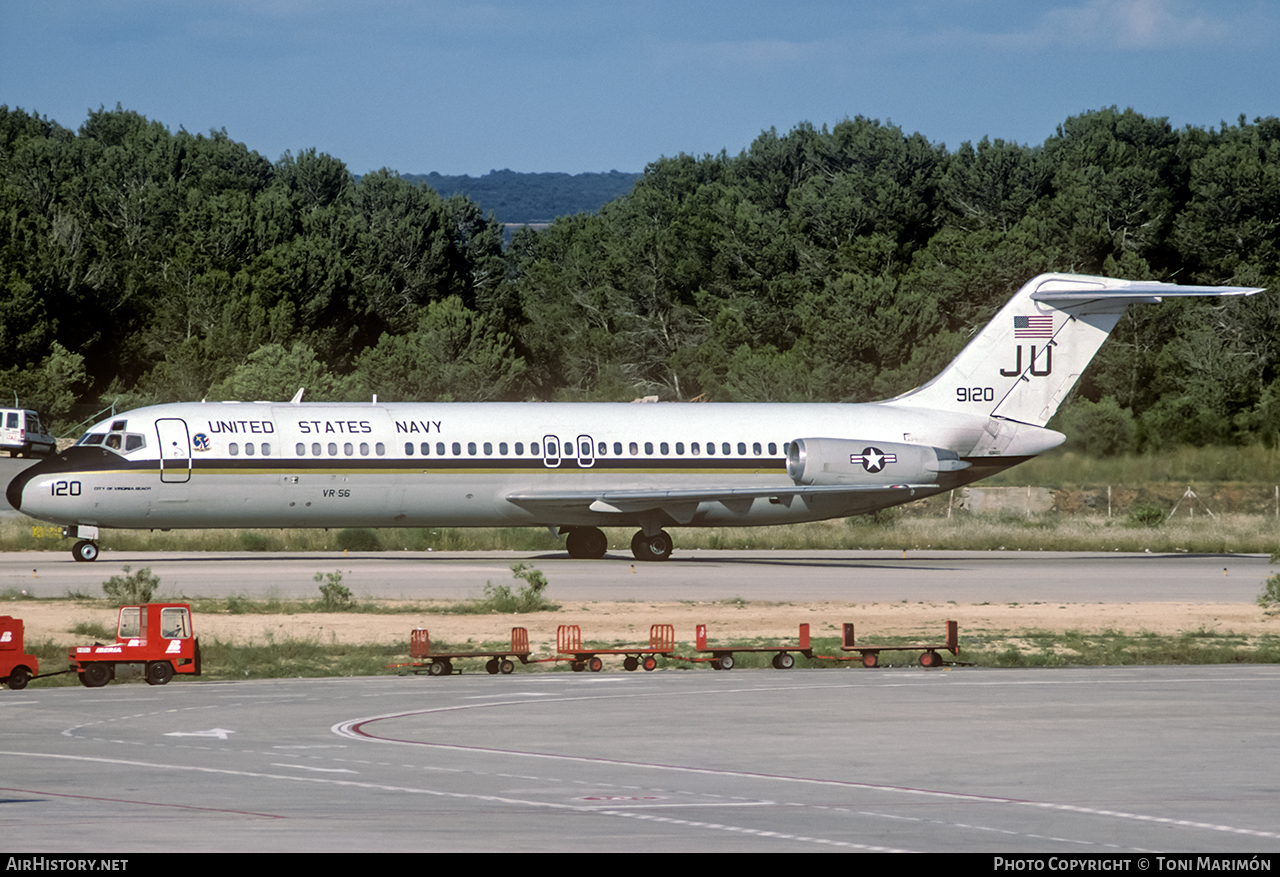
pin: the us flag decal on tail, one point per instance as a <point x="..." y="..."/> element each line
<point x="1033" y="327"/>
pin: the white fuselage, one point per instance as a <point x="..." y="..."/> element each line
<point x="252" y="464"/>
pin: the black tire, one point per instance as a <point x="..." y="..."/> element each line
<point x="656" y="547"/>
<point x="437" y="668"/>
<point x="492" y="666"/>
<point x="19" y="677"/>
<point x="930" y="659"/>
<point x="85" y="551"/>
<point x="159" y="673"/>
<point x="630" y="663"/>
<point x="724" y="662"/>
<point x="650" y="663"/>
<point x="96" y="675"/>
<point x="870" y="659"/>
<point x="784" y="661"/>
<point x="507" y="667"/>
<point x="595" y="665"/>
<point x="587" y="543"/>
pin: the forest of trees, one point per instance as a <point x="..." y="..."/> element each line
<point x="851" y="263"/>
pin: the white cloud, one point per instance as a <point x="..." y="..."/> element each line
<point x="1135" y="25"/>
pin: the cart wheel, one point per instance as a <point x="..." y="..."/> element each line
<point x="96" y="675"/>
<point x="159" y="673"/>
<point x="630" y="663"/>
<point x="492" y="666"/>
<point x="507" y="667"/>
<point x="595" y="665"/>
<point x="650" y="663"/>
<point x="784" y="661"/>
<point x="437" y="668"/>
<point x="871" y="659"/>
<point x="577" y="666"/>
<point x="724" y="662"/>
<point x="930" y="659"/>
<point x="18" y="678"/>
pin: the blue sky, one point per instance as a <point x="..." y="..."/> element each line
<point x="561" y="85"/>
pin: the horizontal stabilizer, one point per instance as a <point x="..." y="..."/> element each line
<point x="1065" y="290"/>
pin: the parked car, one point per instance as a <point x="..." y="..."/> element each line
<point x="22" y="435"/>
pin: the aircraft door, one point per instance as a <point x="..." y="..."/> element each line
<point x="175" y="450"/>
<point x="586" y="452"/>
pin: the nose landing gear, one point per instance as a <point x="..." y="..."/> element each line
<point x="84" y="550"/>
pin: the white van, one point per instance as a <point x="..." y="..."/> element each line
<point x="22" y="435"/>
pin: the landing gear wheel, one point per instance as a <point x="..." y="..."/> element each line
<point x="595" y="665"/>
<point x="783" y="661"/>
<point x="629" y="663"/>
<point x="95" y="675"/>
<point x="18" y="678"/>
<point x="930" y="659"/>
<point x="85" y="551"/>
<point x="650" y="663"/>
<point x="437" y="668"/>
<point x="586" y="543"/>
<point x="507" y="667"/>
<point x="655" y="547"/>
<point x="492" y="666"/>
<point x="159" y="673"/>
<point x="870" y="659"/>
<point x="724" y="662"/>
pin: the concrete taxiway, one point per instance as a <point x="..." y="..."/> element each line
<point x="1110" y="760"/>
<point x="690" y="575"/>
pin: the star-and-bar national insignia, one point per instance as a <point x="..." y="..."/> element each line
<point x="873" y="459"/>
<point x="1033" y="327"/>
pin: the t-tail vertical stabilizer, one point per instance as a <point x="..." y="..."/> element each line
<point x="1024" y="363"/>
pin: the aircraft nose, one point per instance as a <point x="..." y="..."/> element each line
<point x="13" y="493"/>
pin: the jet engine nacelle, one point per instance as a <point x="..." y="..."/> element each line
<point x="853" y="461"/>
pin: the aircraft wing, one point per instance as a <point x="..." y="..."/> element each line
<point x="681" y="503"/>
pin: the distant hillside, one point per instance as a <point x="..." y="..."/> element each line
<point x="533" y="198"/>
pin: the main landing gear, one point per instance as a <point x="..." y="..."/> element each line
<point x="655" y="547"/>
<point x="586" y="543"/>
<point x="84" y="550"/>
<point x="590" y="543"/>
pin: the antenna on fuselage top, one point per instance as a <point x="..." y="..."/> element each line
<point x="297" y="397"/>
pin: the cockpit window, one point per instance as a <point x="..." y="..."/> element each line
<point x="119" y="425"/>
<point x="124" y="442"/>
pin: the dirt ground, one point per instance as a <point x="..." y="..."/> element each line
<point x="628" y="622"/>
